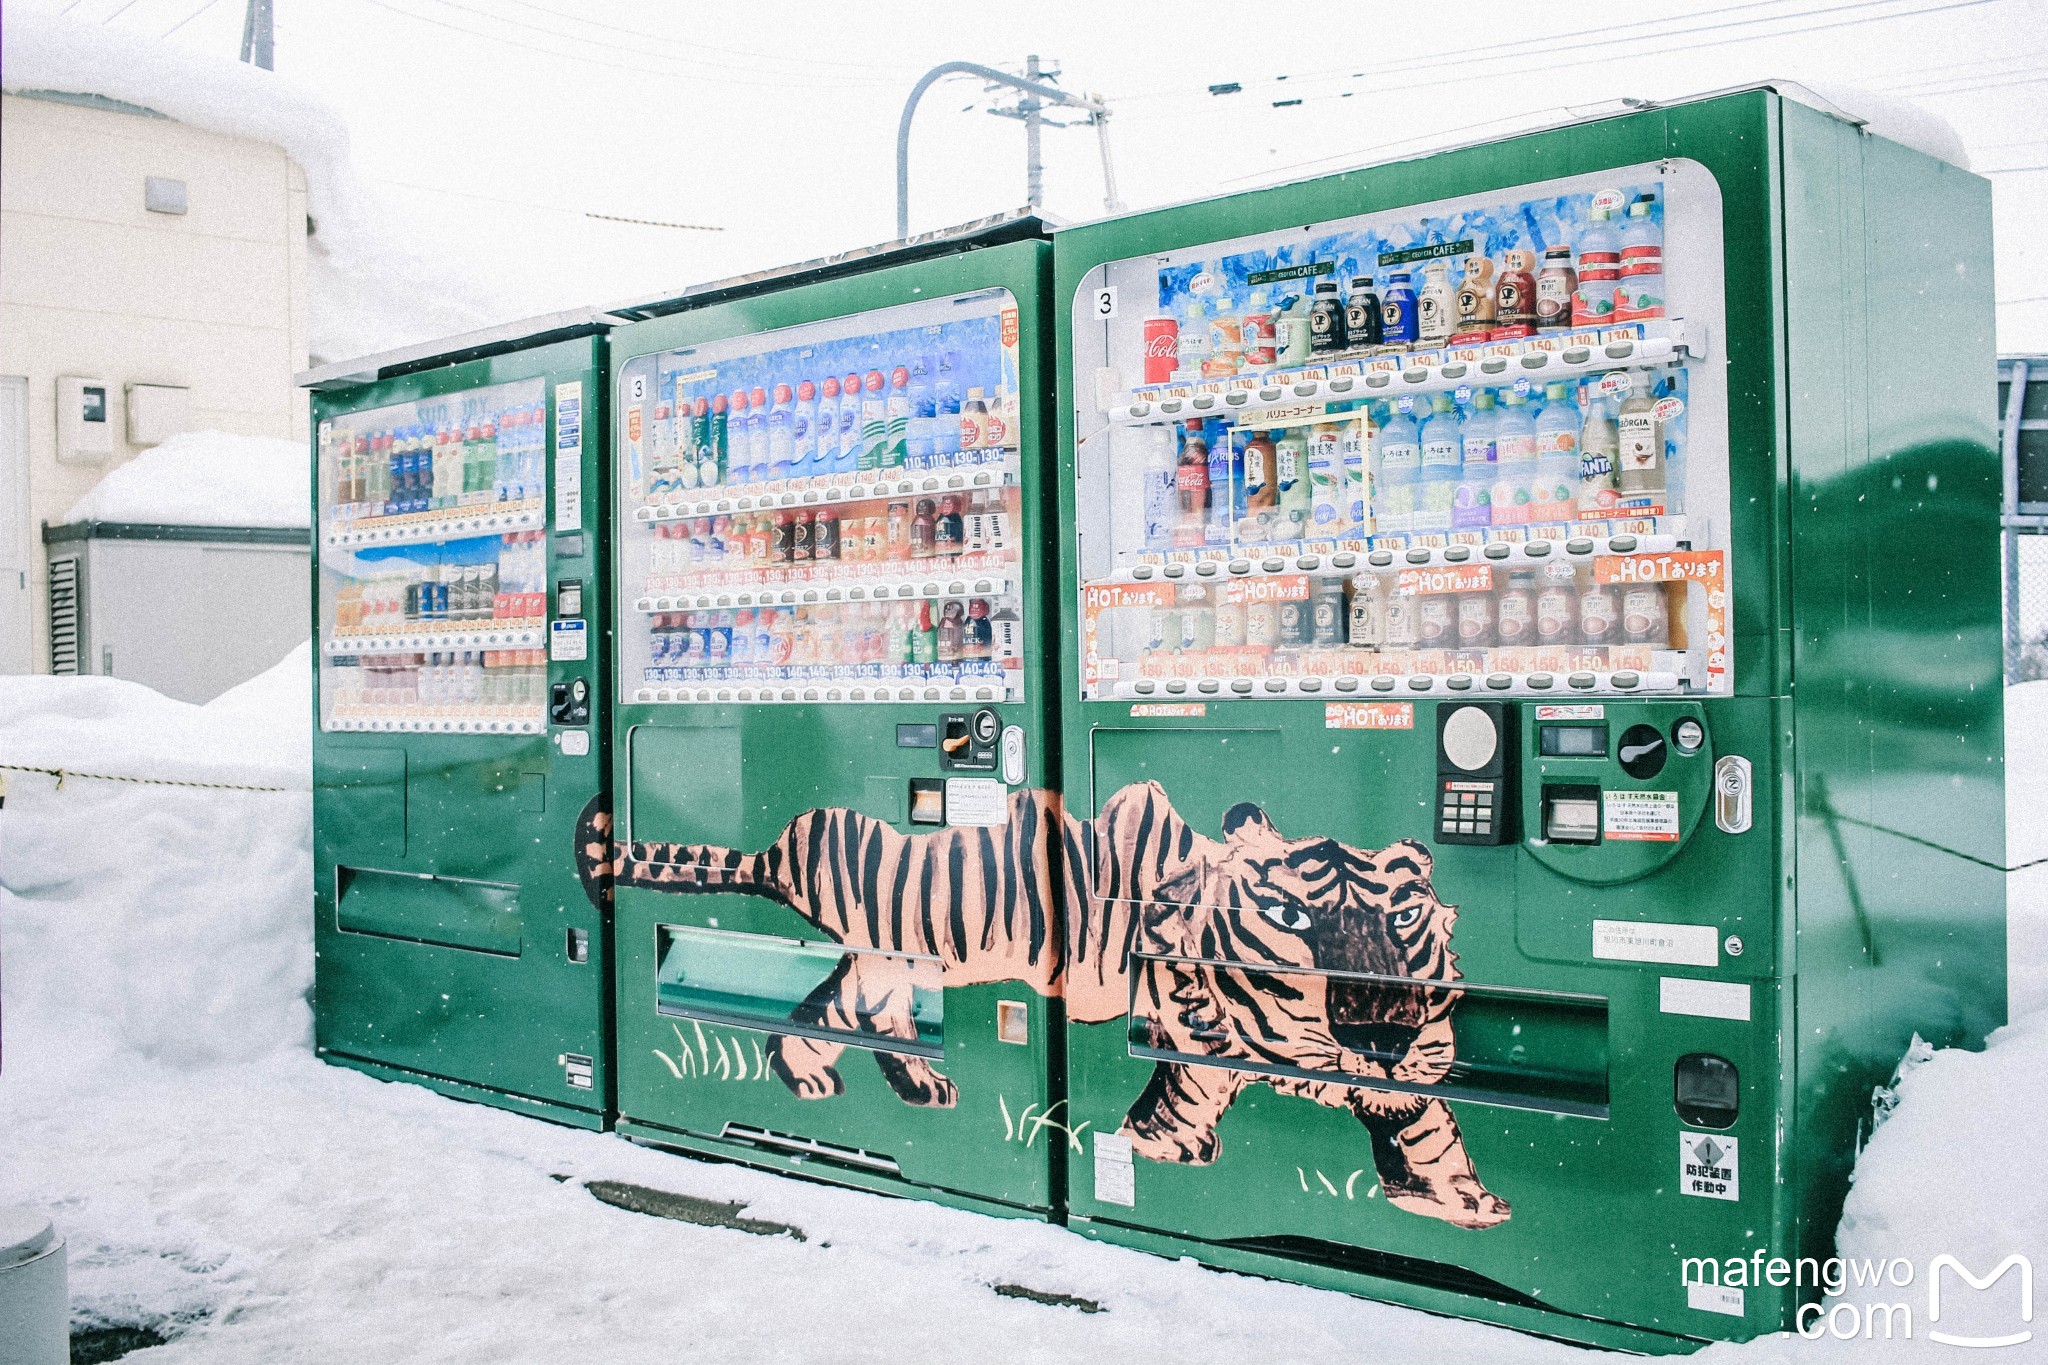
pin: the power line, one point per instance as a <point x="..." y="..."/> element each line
<point x="2013" y="170"/>
<point x="119" y="12"/>
<point x="537" y="204"/>
<point x="188" y="18"/>
<point x="730" y="52"/>
<point x="2030" y="298"/>
<point x="1543" y="47"/>
<point x="678" y="65"/>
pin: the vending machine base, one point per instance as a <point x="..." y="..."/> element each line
<point x="587" y="1119"/>
<point x="1432" y="1286"/>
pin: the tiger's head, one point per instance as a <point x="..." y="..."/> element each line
<point x="1260" y="897"/>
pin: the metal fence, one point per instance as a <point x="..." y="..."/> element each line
<point x="2023" y="436"/>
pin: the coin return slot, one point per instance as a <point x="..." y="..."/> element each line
<point x="1571" y="814"/>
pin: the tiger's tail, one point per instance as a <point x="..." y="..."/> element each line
<point x="687" y="869"/>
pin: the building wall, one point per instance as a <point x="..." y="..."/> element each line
<point x="92" y="284"/>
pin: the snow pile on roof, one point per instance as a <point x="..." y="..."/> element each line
<point x="206" y="478"/>
<point x="163" y="918"/>
<point x="370" y="293"/>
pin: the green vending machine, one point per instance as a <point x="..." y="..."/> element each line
<point x="1532" y="717"/>
<point x="833" y="742"/>
<point x="459" y="744"/>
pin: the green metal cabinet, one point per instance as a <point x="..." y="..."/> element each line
<point x="818" y="815"/>
<point x="460" y="724"/>
<point x="1324" y="860"/>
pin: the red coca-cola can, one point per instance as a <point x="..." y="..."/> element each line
<point x="1162" y="349"/>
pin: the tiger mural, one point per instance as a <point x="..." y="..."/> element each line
<point x="1063" y="904"/>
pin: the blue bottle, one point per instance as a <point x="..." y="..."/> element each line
<point x="1397" y="308"/>
<point x="920" y="451"/>
<point x="946" y="411"/>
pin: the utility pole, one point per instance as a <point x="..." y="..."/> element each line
<point x="1037" y="96"/>
<point x="256" y="35"/>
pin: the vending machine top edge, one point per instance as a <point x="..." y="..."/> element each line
<point x="834" y="744"/>
<point x="460" y="601"/>
<point x="1534" y="688"/>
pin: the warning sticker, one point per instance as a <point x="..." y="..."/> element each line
<point x="1115" y="1181"/>
<point x="1369" y="715"/>
<point x="1707" y="1166"/>
<point x="1651" y="816"/>
<point x="977" y="801"/>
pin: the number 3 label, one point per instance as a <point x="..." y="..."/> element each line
<point x="1105" y="302"/>
<point x="638" y="387"/>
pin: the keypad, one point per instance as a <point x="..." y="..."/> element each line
<point x="1465" y="812"/>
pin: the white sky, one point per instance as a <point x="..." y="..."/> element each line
<point x="491" y="127"/>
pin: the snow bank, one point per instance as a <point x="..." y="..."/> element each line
<point x="163" y="917"/>
<point x="206" y="478"/>
<point x="369" y="292"/>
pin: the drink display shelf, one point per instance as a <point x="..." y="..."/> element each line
<point x="882" y="484"/>
<point x="446" y="523"/>
<point x="1253" y="403"/>
<point x="1396" y="686"/>
<point x="454" y="635"/>
<point x="439" y="725"/>
<point x="844" y="691"/>
<point x="1508" y="554"/>
<point x="892" y="589"/>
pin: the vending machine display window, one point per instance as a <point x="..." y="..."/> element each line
<point x="433" y="564"/>
<point x="1472" y="446"/>
<point x="826" y="513"/>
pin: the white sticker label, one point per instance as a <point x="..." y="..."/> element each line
<point x="1707" y="999"/>
<point x="1707" y="1166"/>
<point x="977" y="801"/>
<point x="1105" y="302"/>
<point x="1642" y="816"/>
<point x="575" y="743"/>
<point x="1571" y="712"/>
<point x="569" y="641"/>
<point x="569" y="457"/>
<point x="1715" y="1298"/>
<point x="1676" y="945"/>
<point x="1115" y="1181"/>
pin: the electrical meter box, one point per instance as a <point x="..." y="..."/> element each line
<point x="838" y="911"/>
<point x="458" y="748"/>
<point x="1532" y="713"/>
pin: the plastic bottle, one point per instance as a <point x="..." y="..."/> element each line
<point x="739" y="453"/>
<point x="1157" y="492"/>
<point x="973" y="425"/>
<point x="1329" y="503"/>
<point x="713" y="446"/>
<point x="1259" y="491"/>
<point x="1599" y="272"/>
<point x="824" y="428"/>
<point x="1639" y="295"/>
<point x="782" y="434"/>
<point x="1556" y="285"/>
<point x="918" y="447"/>
<point x="1257" y="325"/>
<point x="1191" y="489"/>
<point x="803" y="430"/>
<point x="1599" y="455"/>
<point x="1642" y="445"/>
<point x="1443" y="456"/>
<point x="874" y="422"/>
<point x="1472" y="503"/>
<point x="946" y="412"/>
<point x="1192" y="347"/>
<point x="1514" y="462"/>
<point x="1226" y="339"/>
<point x="1293" y="331"/>
<point x="896" y="453"/>
<point x="1554" y="494"/>
<point x="759" y="454"/>
<point x="1221" y="466"/>
<point x="1296" y="502"/>
<point x="1397" y="469"/>
<point x="848" y="462"/>
<point x="1352" y="437"/>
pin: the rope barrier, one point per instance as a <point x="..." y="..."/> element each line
<point x="61" y="773"/>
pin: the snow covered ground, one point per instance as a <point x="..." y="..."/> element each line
<point x="161" y="1103"/>
<point x="206" y="478"/>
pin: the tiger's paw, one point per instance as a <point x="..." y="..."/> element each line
<point x="1465" y="1203"/>
<point x="916" y="1081"/>
<point x="812" y="1079"/>
<point x="1182" y="1148"/>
